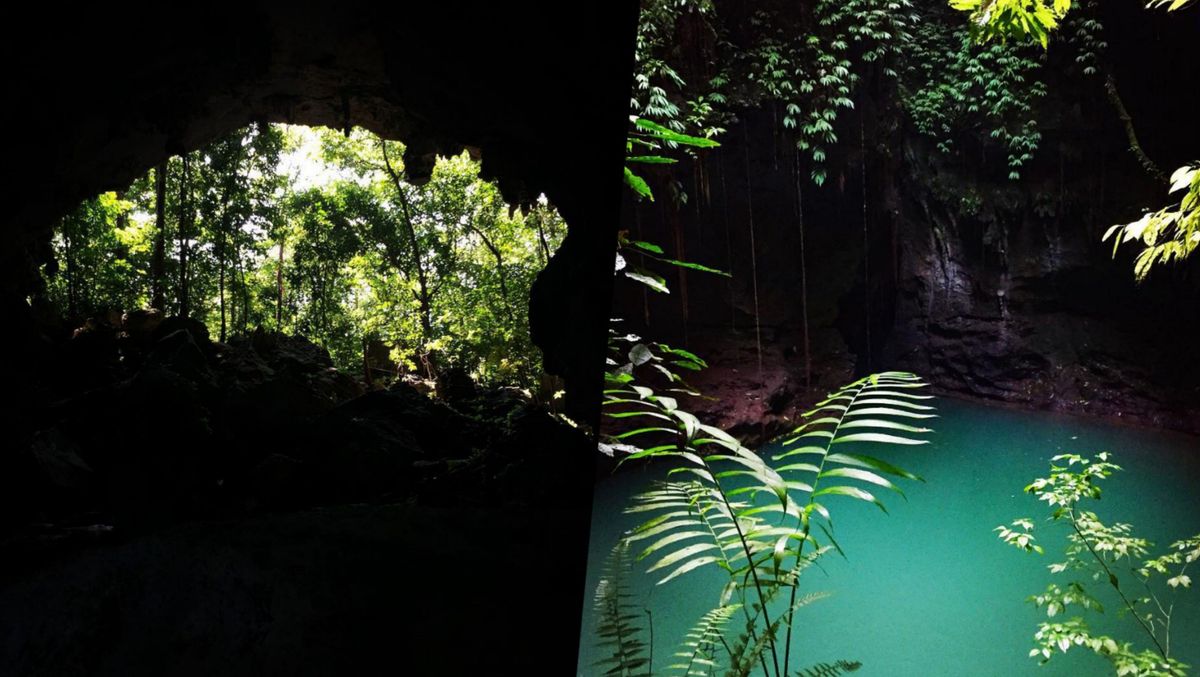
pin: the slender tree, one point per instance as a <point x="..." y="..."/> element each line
<point x="184" y="229"/>
<point x="158" y="259"/>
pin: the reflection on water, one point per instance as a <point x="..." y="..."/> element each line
<point x="929" y="590"/>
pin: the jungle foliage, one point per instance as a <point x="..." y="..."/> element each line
<point x="1167" y="235"/>
<point x="762" y="523"/>
<point x="319" y="233"/>
<point x="812" y="66"/>
<point x="1103" y="555"/>
<point x="726" y="506"/>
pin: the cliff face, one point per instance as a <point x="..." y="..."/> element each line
<point x="993" y="289"/>
<point x="1029" y="308"/>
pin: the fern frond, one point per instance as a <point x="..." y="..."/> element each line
<point x="752" y="519"/>
<point x="746" y="652"/>
<point x="698" y="654"/>
<point x="877" y="409"/>
<point x="618" y="628"/>
<point x="694" y="527"/>
<point x="830" y="669"/>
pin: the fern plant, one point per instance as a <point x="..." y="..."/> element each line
<point x="699" y="654"/>
<point x="726" y="506"/>
<point x="830" y="669"/>
<point x="618" y="626"/>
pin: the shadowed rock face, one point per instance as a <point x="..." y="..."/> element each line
<point x="261" y="514"/>
<point x="104" y="95"/>
<point x="992" y="289"/>
<point x="1016" y="303"/>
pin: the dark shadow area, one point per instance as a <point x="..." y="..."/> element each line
<point x="335" y="531"/>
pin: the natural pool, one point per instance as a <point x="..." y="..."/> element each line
<point x="929" y="589"/>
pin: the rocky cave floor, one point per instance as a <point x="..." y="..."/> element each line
<point x="182" y="506"/>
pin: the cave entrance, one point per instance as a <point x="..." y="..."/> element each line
<point x="287" y="317"/>
<point x="318" y="233"/>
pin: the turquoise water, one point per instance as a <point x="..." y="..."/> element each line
<point x="929" y="590"/>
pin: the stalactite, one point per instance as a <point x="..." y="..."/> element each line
<point x="862" y="139"/>
<point x="753" y="249"/>
<point x="803" y="273"/>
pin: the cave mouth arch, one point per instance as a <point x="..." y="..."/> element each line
<point x="541" y="99"/>
<point x="317" y="233"/>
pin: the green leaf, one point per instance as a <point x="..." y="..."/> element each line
<point x="638" y="184"/>
<point x="651" y="280"/>
<point x="646" y="246"/>
<point x="877" y="437"/>
<point x="696" y="266"/>
<point x="873" y="463"/>
<point x="651" y="159"/>
<point x="660" y="132"/>
<point x="864" y="475"/>
<point x="852" y="492"/>
<point x="881" y="423"/>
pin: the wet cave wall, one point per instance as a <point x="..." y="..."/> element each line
<point x="995" y="290"/>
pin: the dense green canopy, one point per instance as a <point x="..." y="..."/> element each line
<point x="319" y="233"/>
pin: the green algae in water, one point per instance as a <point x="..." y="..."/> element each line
<point x="929" y="590"/>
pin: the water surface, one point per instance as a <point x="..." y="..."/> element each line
<point x="928" y="590"/>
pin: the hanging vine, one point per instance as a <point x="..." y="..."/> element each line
<point x="952" y="84"/>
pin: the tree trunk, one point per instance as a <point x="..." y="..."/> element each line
<point x="803" y="277"/>
<point x="279" y="287"/>
<point x="862" y="140"/>
<point x="753" y="248"/>
<point x="1135" y="147"/>
<point x="672" y="216"/>
<point x="366" y="365"/>
<point x="728" y="244"/>
<point x="542" y="235"/>
<point x="185" y="227"/>
<point x="423" y="294"/>
<point x="244" y="317"/>
<point x="72" y="301"/>
<point x="499" y="263"/>
<point x="157" y="261"/>
<point x="637" y="229"/>
<point x="221" y="278"/>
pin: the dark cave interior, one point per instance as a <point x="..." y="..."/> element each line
<point x="355" y="585"/>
